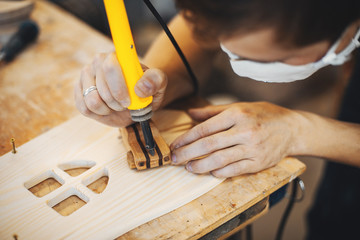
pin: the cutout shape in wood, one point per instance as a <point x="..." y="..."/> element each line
<point x="73" y="199"/>
<point x="69" y="205"/>
<point x="130" y="199"/>
<point x="98" y="181"/>
<point x="138" y="157"/>
<point x="44" y="184"/>
<point x="76" y="168"/>
<point x="68" y="202"/>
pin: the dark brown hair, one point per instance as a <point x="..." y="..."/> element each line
<point x="297" y="22"/>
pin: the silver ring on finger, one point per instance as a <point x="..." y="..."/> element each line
<point x="88" y="90"/>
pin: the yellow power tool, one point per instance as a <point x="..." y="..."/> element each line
<point x="140" y="108"/>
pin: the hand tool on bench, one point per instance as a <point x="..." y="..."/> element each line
<point x="27" y="33"/>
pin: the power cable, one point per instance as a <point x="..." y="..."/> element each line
<point x="175" y="44"/>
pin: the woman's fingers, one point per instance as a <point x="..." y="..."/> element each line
<point x="79" y="100"/>
<point x="102" y="93"/>
<point x="101" y="83"/>
<point x="202" y="114"/>
<point x="152" y="83"/>
<point x="105" y="92"/>
<point x="213" y="125"/>
<point x="111" y="93"/>
<point x="92" y="99"/>
<point x="237" y="168"/>
<point x="204" y="146"/>
<point x="236" y="139"/>
<point x="217" y="160"/>
<point x="115" y="119"/>
<point x="115" y="80"/>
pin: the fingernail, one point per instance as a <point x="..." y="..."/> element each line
<point x="188" y="167"/>
<point x="173" y="158"/>
<point x="147" y="84"/>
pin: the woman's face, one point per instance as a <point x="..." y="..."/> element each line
<point x="261" y="46"/>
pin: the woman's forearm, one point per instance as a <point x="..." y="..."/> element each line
<point x="163" y="56"/>
<point x="327" y="138"/>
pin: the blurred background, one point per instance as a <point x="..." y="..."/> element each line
<point x="320" y="94"/>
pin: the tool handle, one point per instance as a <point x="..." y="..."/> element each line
<point x="125" y="50"/>
<point x="27" y="33"/>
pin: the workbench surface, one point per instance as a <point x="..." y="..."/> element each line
<point x="36" y="94"/>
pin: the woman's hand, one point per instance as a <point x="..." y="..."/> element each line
<point x="109" y="101"/>
<point x="236" y="139"/>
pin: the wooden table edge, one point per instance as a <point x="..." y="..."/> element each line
<point x="252" y="203"/>
<point x="301" y="167"/>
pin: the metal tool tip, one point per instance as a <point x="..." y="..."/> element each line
<point x="152" y="152"/>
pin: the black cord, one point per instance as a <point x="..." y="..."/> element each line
<point x="176" y="46"/>
<point x="249" y="232"/>
<point x="288" y="209"/>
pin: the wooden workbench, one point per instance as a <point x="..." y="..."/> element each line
<point x="36" y="94"/>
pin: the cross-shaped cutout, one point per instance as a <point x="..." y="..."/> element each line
<point x="68" y="201"/>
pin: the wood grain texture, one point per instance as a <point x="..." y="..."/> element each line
<point x="131" y="198"/>
<point x="45" y="187"/>
<point x="137" y="156"/>
<point x="224" y="202"/>
<point x="36" y="89"/>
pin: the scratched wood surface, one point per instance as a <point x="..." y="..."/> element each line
<point x="36" y="91"/>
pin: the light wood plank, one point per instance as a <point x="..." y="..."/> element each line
<point x="224" y="202"/>
<point x="131" y="198"/>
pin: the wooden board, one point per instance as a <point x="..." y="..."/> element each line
<point x="130" y="198"/>
<point x="226" y="201"/>
<point x="37" y="88"/>
<point x="138" y="157"/>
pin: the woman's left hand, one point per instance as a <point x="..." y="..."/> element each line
<point x="236" y="139"/>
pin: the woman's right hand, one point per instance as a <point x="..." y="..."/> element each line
<point x="109" y="101"/>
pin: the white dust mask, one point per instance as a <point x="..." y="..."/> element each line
<point x="281" y="72"/>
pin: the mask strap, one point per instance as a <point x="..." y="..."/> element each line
<point x="336" y="59"/>
<point x="356" y="39"/>
<point x="330" y="55"/>
<point x="353" y="45"/>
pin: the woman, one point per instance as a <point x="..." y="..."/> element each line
<point x="272" y="41"/>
